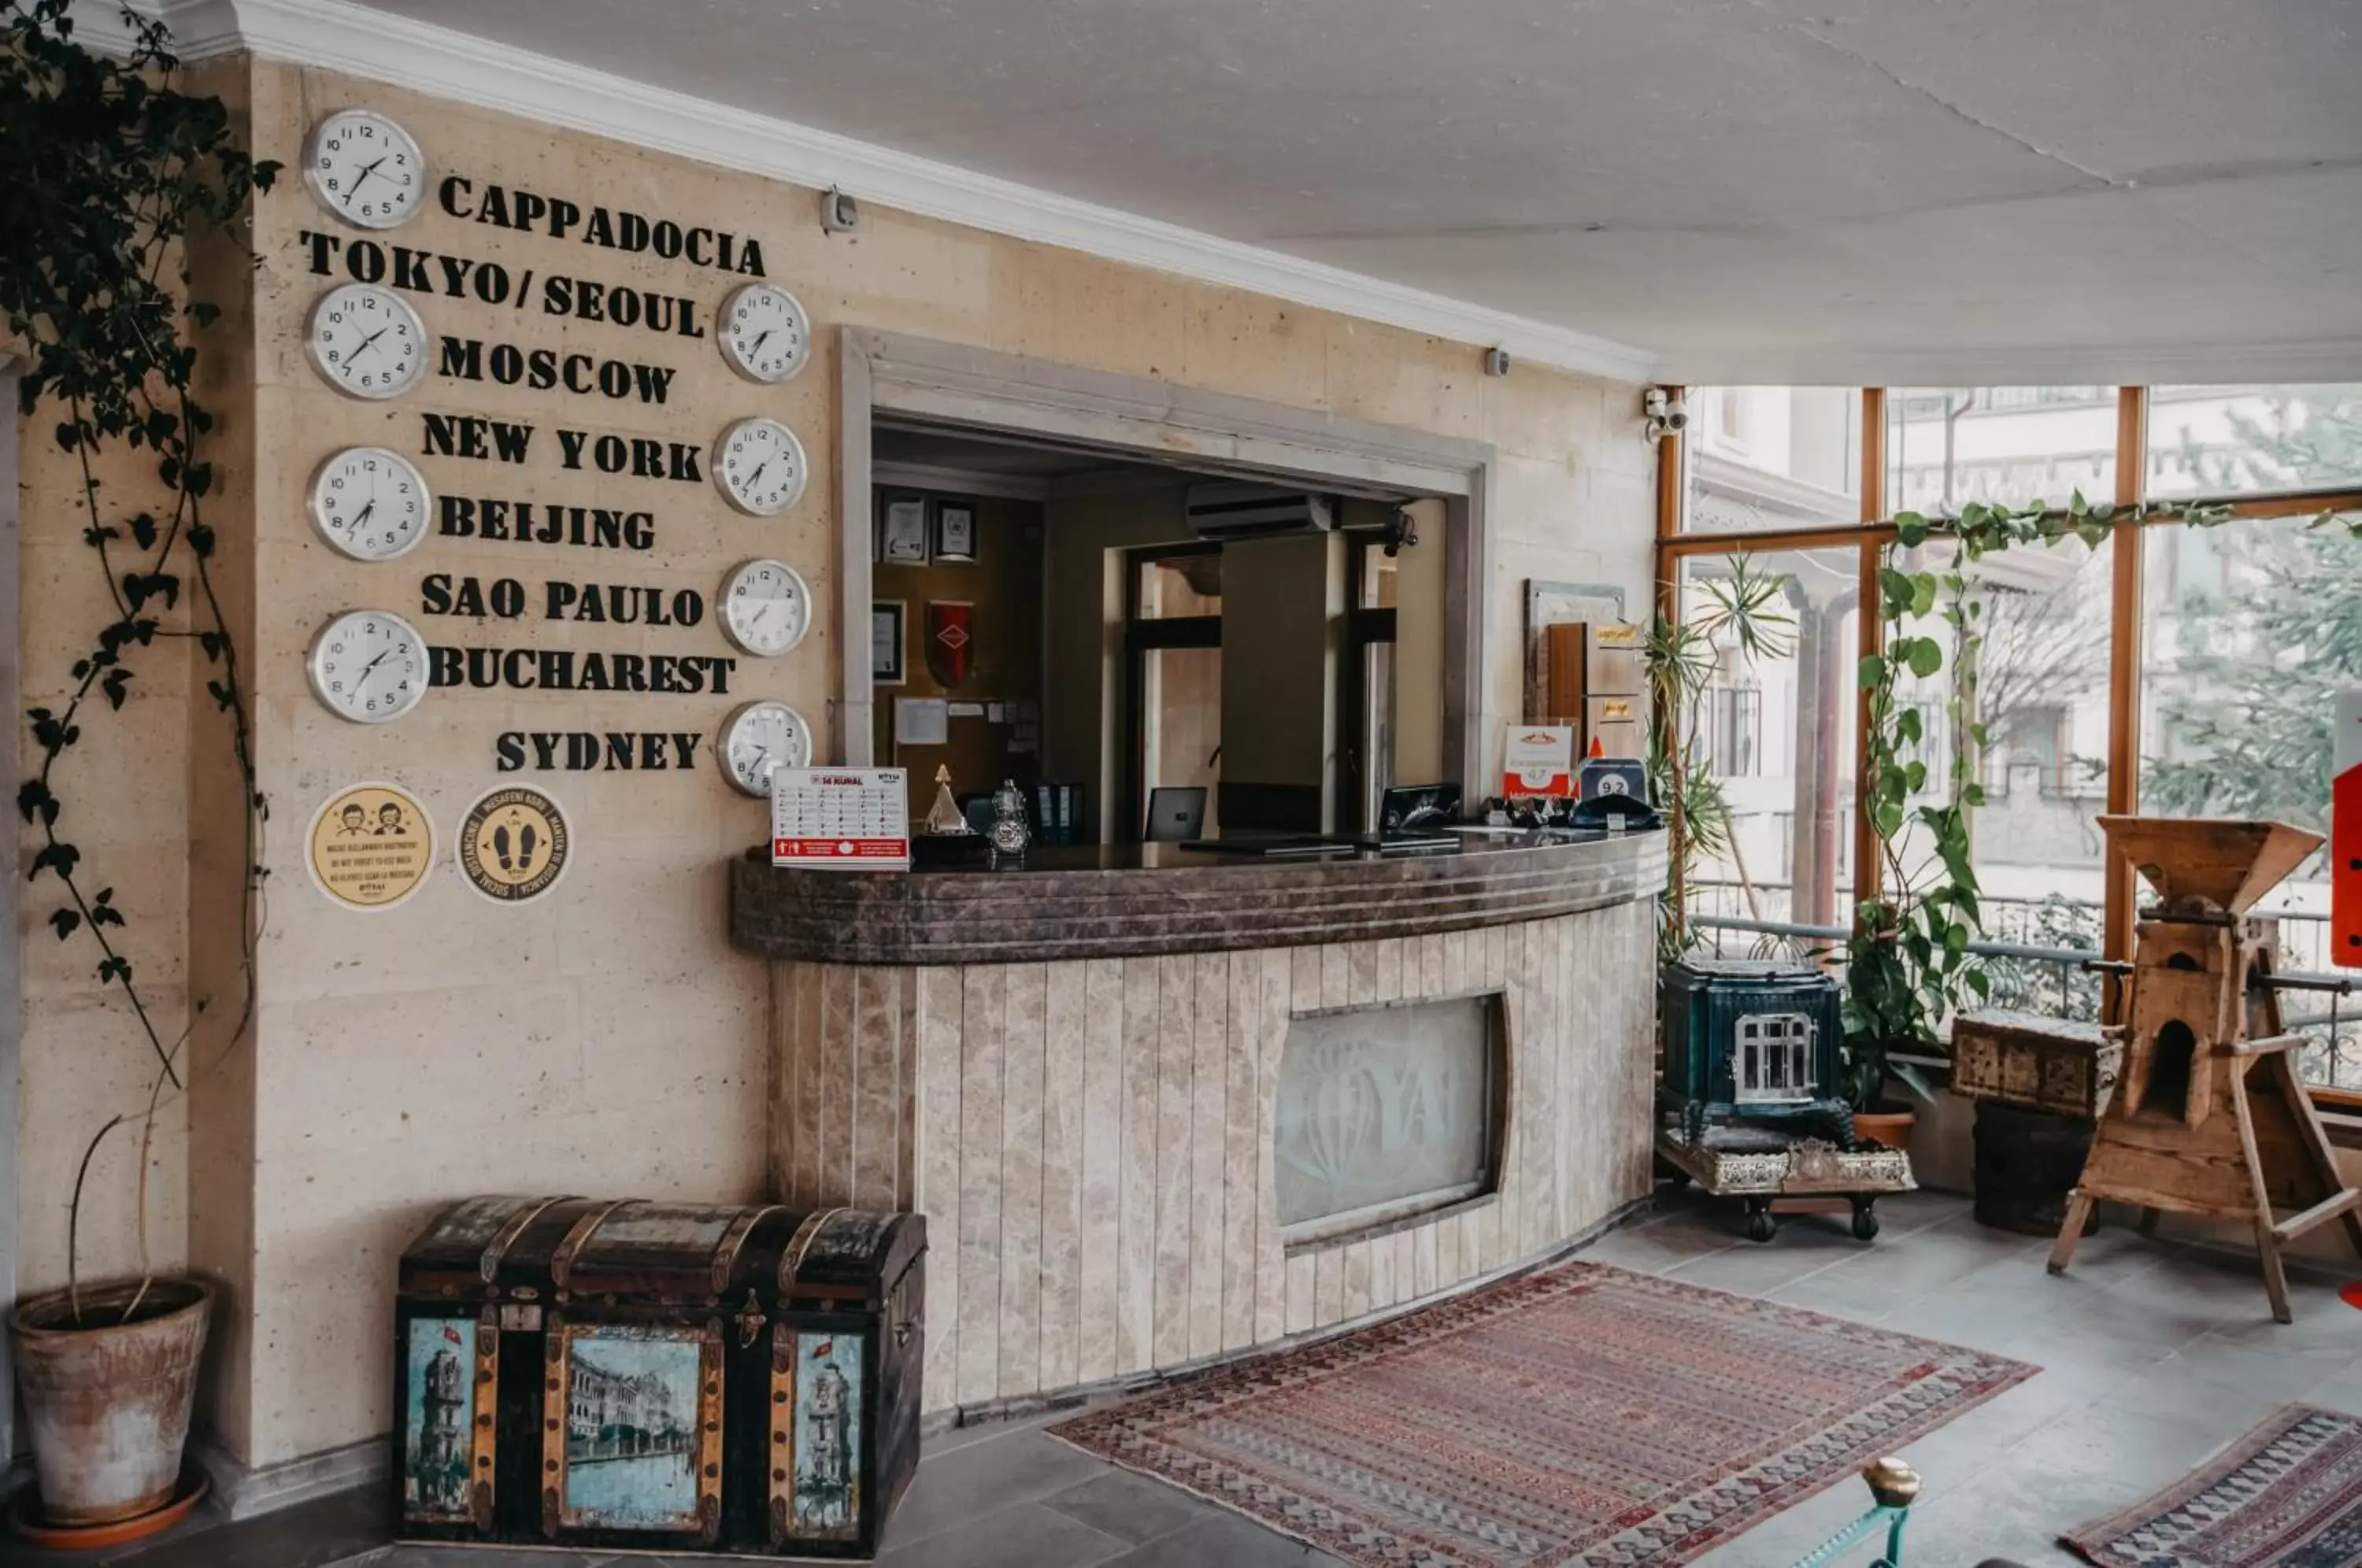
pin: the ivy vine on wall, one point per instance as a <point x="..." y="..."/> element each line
<point x="111" y="171"/>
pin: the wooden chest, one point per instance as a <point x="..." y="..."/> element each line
<point x="620" y="1374"/>
<point x="2055" y="1065"/>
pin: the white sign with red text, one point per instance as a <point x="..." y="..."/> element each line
<point x="841" y="819"/>
<point x="1540" y="761"/>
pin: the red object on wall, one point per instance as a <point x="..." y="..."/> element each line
<point x="2345" y="836"/>
<point x="949" y="639"/>
<point x="2345" y="869"/>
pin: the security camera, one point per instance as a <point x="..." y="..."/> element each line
<point x="1666" y="412"/>
<point x="839" y="212"/>
<point x="1401" y="529"/>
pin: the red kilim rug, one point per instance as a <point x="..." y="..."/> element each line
<point x="2288" y="1493"/>
<point x="1582" y="1414"/>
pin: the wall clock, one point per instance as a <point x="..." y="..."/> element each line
<point x="766" y="608"/>
<point x="765" y="334"/>
<point x="760" y="737"/>
<point x="760" y="465"/>
<point x="365" y="168"/>
<point x="366" y="341"/>
<point x="369" y="666"/>
<point x="369" y="503"/>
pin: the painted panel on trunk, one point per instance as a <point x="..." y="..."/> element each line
<point x="632" y="1429"/>
<point x="438" y="1417"/>
<point x="828" y="1436"/>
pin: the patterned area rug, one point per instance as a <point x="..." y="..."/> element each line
<point x="2288" y="1494"/>
<point x="1583" y="1415"/>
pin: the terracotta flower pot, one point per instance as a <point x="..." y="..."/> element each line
<point x="1892" y="1128"/>
<point x="107" y="1401"/>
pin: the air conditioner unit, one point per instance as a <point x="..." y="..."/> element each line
<point x="1234" y="511"/>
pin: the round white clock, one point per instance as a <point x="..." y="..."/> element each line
<point x="369" y="666"/>
<point x="371" y="504"/>
<point x="366" y="341"/>
<point x="761" y="737"/>
<point x="765" y="334"/>
<point x="760" y="465"/>
<point x="766" y="608"/>
<point x="365" y="168"/>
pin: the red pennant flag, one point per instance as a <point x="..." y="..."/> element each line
<point x="823" y="1348"/>
<point x="453" y="1335"/>
<point x="949" y="640"/>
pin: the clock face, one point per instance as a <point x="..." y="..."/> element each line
<point x="760" y="737"/>
<point x="765" y="334"/>
<point x="369" y="666"/>
<point x="760" y="465"/>
<point x="766" y="608"/>
<point x="369" y="503"/>
<point x="366" y="341"/>
<point x="365" y="168"/>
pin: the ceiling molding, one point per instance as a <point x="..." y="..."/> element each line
<point x="335" y="35"/>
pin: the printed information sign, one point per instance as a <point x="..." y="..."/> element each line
<point x="845" y="819"/>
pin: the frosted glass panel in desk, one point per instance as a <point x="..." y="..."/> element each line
<point x="1385" y="1111"/>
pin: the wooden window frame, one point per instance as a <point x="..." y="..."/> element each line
<point x="2124" y="651"/>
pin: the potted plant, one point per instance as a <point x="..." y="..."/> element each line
<point x="118" y="172"/>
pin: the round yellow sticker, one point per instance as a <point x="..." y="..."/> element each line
<point x="515" y="844"/>
<point x="370" y="846"/>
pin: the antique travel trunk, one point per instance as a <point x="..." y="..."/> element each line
<point x="629" y="1375"/>
<point x="2060" y="1065"/>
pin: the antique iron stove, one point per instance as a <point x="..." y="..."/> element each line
<point x="1749" y="1040"/>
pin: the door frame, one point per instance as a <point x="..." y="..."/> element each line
<point x="11" y="983"/>
<point x="924" y="381"/>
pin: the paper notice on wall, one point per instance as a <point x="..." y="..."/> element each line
<point x="1539" y="760"/>
<point x="2345" y="835"/>
<point x="921" y="721"/>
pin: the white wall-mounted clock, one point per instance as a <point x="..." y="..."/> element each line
<point x="760" y="737"/>
<point x="759" y="466"/>
<point x="371" y="504"/>
<point x="766" y="608"/>
<point x="369" y="666"/>
<point x="365" y="168"/>
<point x="366" y="341"/>
<point x="764" y="333"/>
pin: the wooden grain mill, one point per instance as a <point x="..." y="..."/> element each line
<point x="2209" y="1117"/>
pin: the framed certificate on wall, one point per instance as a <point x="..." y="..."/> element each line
<point x="886" y="642"/>
<point x="902" y="531"/>
<point x="956" y="531"/>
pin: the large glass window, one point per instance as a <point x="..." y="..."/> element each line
<point x="1766" y="457"/>
<point x="2246" y="440"/>
<point x="2249" y="632"/>
<point x="1772" y="739"/>
<point x="2005" y="445"/>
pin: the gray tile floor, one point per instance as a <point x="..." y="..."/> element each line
<point x="2153" y="1354"/>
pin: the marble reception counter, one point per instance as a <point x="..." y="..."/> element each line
<point x="1161" y="1108"/>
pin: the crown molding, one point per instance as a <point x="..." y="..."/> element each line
<point x="335" y="35"/>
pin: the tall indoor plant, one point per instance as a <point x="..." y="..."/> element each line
<point x="112" y="173"/>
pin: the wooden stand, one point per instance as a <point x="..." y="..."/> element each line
<point x="2211" y="1118"/>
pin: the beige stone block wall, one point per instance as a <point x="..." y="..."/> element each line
<point x="1093" y="1139"/>
<point x="607" y="1038"/>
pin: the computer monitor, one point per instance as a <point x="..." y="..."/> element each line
<point x="1174" y="814"/>
<point x="1418" y="807"/>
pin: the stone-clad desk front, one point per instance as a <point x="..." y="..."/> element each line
<point x="1073" y="1071"/>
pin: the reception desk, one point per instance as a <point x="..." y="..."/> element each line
<point x="1119" y="1082"/>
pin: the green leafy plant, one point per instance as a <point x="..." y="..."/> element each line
<point x="1745" y="612"/>
<point x="1908" y="964"/>
<point x="112" y="173"/>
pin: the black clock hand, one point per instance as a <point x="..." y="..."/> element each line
<point x="759" y="341"/>
<point x="362" y="678"/>
<point x="365" y="344"/>
<point x="364" y="514"/>
<point x="757" y="473"/>
<point x="367" y="170"/>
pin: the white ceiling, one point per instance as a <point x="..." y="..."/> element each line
<point x="1881" y="190"/>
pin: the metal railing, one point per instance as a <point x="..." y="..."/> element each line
<point x="2054" y="978"/>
